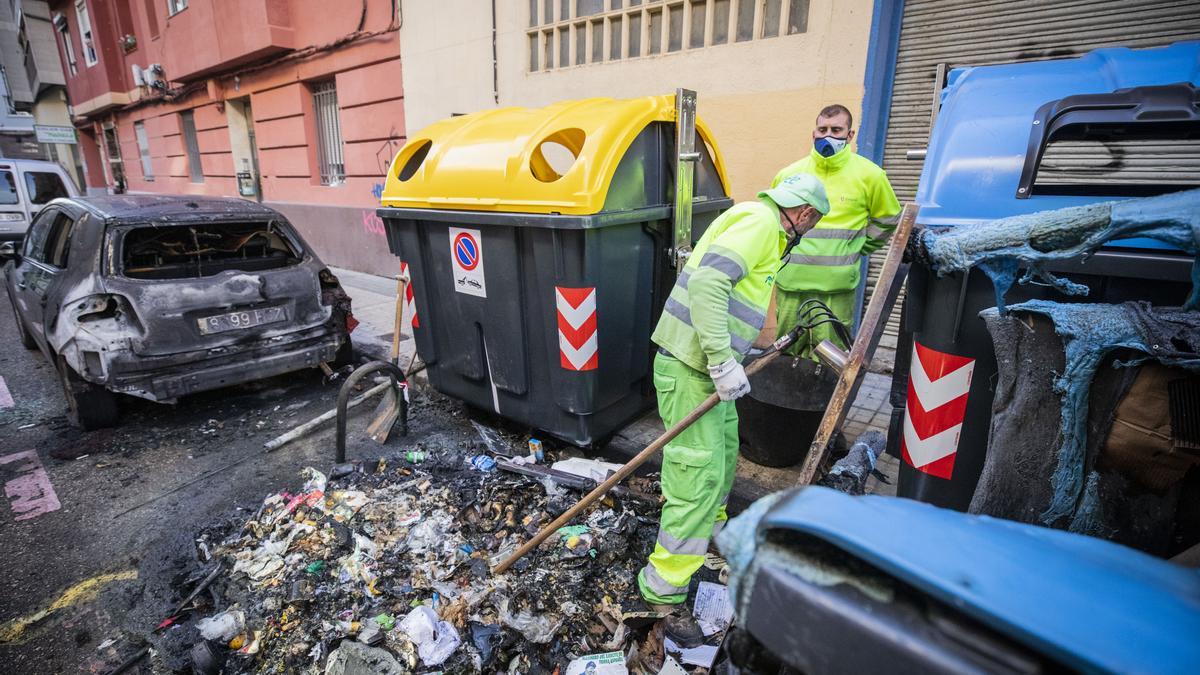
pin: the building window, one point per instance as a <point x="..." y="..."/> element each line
<point x="152" y="17"/>
<point x="329" y="134"/>
<point x="115" y="164"/>
<point x="64" y="35"/>
<point x="595" y="31"/>
<point x="85" y="33"/>
<point x="195" y="169"/>
<point x="139" y="130"/>
<point x="176" y="6"/>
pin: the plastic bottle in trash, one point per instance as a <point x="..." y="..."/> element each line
<point x="415" y="456"/>
<point x="483" y="463"/>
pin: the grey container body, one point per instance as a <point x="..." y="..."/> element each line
<point x="502" y="352"/>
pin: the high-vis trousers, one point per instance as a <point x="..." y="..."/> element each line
<point x="697" y="475"/>
<point x="789" y="302"/>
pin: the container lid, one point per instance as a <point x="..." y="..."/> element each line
<point x="974" y="161"/>
<point x="557" y="159"/>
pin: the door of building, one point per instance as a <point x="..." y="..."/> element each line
<point x="245" y="148"/>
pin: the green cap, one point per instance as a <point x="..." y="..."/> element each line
<point x="799" y="190"/>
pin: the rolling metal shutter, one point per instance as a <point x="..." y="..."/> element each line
<point x="939" y="35"/>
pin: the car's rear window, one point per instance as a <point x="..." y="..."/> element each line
<point x="8" y="188"/>
<point x="192" y="251"/>
<point x="44" y="186"/>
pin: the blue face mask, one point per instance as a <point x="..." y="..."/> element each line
<point x="828" y="146"/>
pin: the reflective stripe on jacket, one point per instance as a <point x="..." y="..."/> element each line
<point x="862" y="215"/>
<point x="719" y="302"/>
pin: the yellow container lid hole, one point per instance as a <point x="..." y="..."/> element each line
<point x="557" y="159"/>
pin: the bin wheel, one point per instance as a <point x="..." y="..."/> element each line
<point x="89" y="406"/>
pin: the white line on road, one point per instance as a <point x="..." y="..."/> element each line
<point x="6" y="399"/>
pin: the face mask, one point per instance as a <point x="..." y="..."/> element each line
<point x="829" y="146"/>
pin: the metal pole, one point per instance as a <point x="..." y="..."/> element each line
<point x="685" y="170"/>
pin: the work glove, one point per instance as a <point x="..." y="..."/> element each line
<point x="730" y="380"/>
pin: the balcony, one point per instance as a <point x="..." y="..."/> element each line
<point x="210" y="36"/>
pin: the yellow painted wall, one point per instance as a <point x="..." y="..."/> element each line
<point x="760" y="97"/>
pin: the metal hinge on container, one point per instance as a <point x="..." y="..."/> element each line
<point x="685" y="171"/>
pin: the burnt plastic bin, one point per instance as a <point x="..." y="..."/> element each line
<point x="778" y="419"/>
<point x="545" y="317"/>
<point x="989" y="116"/>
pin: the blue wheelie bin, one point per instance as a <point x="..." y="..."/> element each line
<point x="1017" y="139"/>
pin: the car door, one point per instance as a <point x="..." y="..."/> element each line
<point x="39" y="268"/>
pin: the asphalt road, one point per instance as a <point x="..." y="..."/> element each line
<point x="109" y="563"/>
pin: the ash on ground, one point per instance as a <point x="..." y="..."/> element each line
<point x="387" y="569"/>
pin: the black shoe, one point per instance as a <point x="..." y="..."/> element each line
<point x="682" y="628"/>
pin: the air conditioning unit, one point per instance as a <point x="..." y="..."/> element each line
<point x="139" y="75"/>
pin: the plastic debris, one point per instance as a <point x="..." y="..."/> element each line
<point x="483" y="463"/>
<point x="592" y="469"/>
<point x="436" y="640"/>
<point x="222" y="627"/>
<point x="397" y="559"/>
<point x="492" y="441"/>
<point x="415" y="456"/>
<point x="385" y="621"/>
<point x="536" y="451"/>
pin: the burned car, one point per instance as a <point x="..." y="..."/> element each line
<point x="162" y="296"/>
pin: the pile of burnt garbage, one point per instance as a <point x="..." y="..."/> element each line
<point x="386" y="566"/>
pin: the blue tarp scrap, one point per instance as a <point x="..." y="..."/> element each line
<point x="1000" y="248"/>
<point x="1090" y="334"/>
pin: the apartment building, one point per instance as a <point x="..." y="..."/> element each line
<point x="294" y="103"/>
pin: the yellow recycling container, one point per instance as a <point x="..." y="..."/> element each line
<point x="538" y="242"/>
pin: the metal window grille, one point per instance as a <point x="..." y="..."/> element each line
<point x="139" y="130"/>
<point x="615" y="30"/>
<point x="329" y="134"/>
<point x="195" y="168"/>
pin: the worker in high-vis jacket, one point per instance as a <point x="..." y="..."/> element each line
<point x="712" y="318"/>
<point x="863" y="213"/>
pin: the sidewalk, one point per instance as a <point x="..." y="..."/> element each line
<point x="375" y="306"/>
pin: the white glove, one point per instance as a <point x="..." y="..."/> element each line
<point x="730" y="380"/>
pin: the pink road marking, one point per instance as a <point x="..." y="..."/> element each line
<point x="31" y="494"/>
<point x="6" y="399"/>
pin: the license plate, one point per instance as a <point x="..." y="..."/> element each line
<point x="249" y="318"/>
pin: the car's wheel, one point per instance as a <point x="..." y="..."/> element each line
<point x="26" y="339"/>
<point x="89" y="406"/>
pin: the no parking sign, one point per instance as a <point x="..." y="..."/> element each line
<point x="466" y="261"/>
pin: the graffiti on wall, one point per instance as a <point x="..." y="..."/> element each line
<point x="372" y="223"/>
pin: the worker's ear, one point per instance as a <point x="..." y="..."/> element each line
<point x="850" y="135"/>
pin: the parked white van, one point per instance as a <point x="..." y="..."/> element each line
<point x="25" y="186"/>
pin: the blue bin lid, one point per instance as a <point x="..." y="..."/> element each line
<point x="976" y="151"/>
<point x="1091" y="604"/>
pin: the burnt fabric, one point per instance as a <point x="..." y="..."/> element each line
<point x="1070" y="363"/>
<point x="1002" y="248"/>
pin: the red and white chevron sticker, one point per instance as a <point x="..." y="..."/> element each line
<point x="410" y="301"/>
<point x="938" y="384"/>
<point x="577" y="343"/>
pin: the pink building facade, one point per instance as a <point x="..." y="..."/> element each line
<point x="295" y="103"/>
